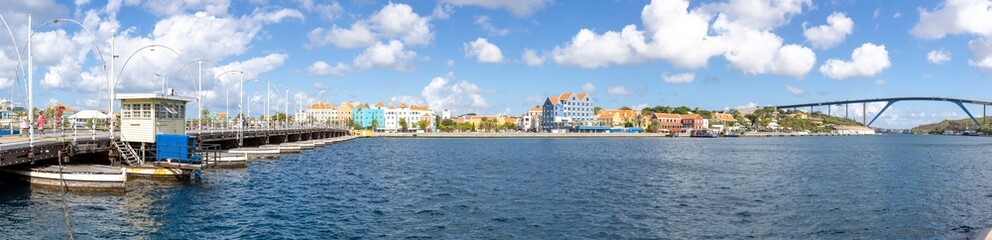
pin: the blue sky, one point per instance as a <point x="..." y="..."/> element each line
<point x="468" y="55"/>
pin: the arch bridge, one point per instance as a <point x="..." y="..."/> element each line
<point x="888" y="102"/>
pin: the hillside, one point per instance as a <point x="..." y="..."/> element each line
<point x="953" y="125"/>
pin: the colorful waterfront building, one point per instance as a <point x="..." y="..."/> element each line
<point x="531" y="121"/>
<point x="693" y="122"/>
<point x="667" y="122"/>
<point x="565" y="112"/>
<point x="364" y="116"/>
<point x="344" y="113"/>
<point x="411" y="114"/>
<point x="724" y="121"/>
<point x="319" y="113"/>
<point x="617" y="117"/>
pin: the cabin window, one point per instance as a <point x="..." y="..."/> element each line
<point x="146" y="110"/>
<point x="126" y="111"/>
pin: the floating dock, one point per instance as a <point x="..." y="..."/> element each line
<point x="257" y="153"/>
<point x="230" y="160"/>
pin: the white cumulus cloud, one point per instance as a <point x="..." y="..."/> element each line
<point x="393" y="21"/>
<point x="532" y="59"/>
<point x="590" y="50"/>
<point x="741" y="31"/>
<point x="386" y="55"/>
<point x="981" y="51"/>
<point x="827" y="36"/>
<point x="866" y="61"/>
<point x="588" y="88"/>
<point x="619" y="90"/>
<point x="938" y="56"/>
<point x="321" y="68"/>
<point x="483" y="21"/>
<point x="483" y="51"/>
<point x="680" y="78"/>
<point x="955" y="17"/>
<point x="397" y="20"/>
<point x="459" y="97"/>
<point x="794" y="90"/>
<point x="359" y="35"/>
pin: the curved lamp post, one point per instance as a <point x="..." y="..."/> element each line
<point x="199" y="87"/>
<point x="285" y="105"/>
<point x="240" y="102"/>
<point x="30" y="71"/>
<point x="19" y="70"/>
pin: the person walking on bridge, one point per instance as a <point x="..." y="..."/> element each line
<point x="24" y="126"/>
<point x="41" y="123"/>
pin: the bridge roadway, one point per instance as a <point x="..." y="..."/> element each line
<point x="889" y="101"/>
<point x="16" y="150"/>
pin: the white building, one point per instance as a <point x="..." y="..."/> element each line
<point x="566" y="111"/>
<point x="531" y="121"/>
<point x="411" y="114"/>
<point x="446" y="114"/>
<point x="318" y="113"/>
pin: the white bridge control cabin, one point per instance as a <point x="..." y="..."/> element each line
<point x="144" y="115"/>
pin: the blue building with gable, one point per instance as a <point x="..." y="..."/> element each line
<point x="363" y="116"/>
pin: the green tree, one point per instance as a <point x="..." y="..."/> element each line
<point x="595" y="110"/>
<point x="403" y="124"/>
<point x="625" y="107"/>
<point x="484" y="124"/>
<point x="665" y="109"/>
<point x="986" y="129"/>
<point x="509" y="126"/>
<point x="422" y="124"/>
<point x="437" y="122"/>
<point x="652" y="127"/>
<point x="375" y="124"/>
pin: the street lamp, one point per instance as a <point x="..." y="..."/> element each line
<point x="240" y="102"/>
<point x="285" y="105"/>
<point x="30" y="71"/>
<point x="20" y="65"/>
<point x="162" y="77"/>
<point x="199" y="87"/>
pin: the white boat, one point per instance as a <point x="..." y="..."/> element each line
<point x="93" y="177"/>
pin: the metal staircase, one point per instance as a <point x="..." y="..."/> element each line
<point x="127" y="153"/>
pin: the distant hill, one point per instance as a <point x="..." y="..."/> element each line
<point x="959" y="125"/>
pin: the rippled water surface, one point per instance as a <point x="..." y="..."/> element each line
<point x="813" y="187"/>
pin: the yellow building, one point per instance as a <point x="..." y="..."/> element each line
<point x="344" y="113"/>
<point x="617" y="117"/>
